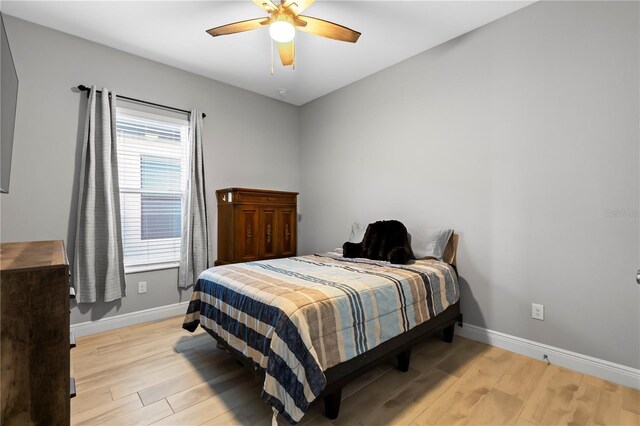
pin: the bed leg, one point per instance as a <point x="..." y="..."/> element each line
<point x="403" y="360"/>
<point x="447" y="333"/>
<point x="332" y="404"/>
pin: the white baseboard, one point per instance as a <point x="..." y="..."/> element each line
<point x="585" y="364"/>
<point x="125" y="320"/>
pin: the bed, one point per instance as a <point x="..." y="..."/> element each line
<point x="311" y="324"/>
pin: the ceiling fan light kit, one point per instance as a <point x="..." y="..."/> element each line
<point x="283" y="21"/>
<point x="282" y="29"/>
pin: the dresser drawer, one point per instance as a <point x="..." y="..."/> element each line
<point x="258" y="198"/>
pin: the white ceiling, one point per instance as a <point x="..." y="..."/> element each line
<point x="173" y="33"/>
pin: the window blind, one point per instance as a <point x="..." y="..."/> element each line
<point x="152" y="169"/>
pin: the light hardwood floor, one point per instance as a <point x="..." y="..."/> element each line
<point x="157" y="373"/>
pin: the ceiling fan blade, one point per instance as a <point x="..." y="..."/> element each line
<point x="297" y="6"/>
<point x="298" y="22"/>
<point x="237" y="27"/>
<point x="287" y="53"/>
<point x="328" y="29"/>
<point x="266" y="5"/>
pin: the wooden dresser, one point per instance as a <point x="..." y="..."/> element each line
<point x="255" y="224"/>
<point x="34" y="299"/>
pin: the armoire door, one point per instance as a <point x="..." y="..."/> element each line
<point x="247" y="233"/>
<point x="287" y="232"/>
<point x="268" y="233"/>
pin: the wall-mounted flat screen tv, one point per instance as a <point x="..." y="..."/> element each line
<point x="8" y="102"/>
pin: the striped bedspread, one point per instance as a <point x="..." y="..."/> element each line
<point x="299" y="316"/>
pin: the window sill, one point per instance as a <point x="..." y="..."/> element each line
<point x="134" y="269"/>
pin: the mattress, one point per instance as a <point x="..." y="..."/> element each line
<point x="299" y="316"/>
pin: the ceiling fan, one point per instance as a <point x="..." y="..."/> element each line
<point x="283" y="21"/>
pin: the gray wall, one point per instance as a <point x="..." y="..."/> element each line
<point x="246" y="141"/>
<point x="521" y="135"/>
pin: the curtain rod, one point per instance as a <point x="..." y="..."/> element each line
<point x="84" y="88"/>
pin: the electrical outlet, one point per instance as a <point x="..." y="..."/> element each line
<point x="537" y="311"/>
<point x="142" y="287"/>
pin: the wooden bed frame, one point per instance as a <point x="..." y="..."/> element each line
<point x="399" y="347"/>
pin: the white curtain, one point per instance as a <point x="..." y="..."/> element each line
<point x="194" y="247"/>
<point x="98" y="264"/>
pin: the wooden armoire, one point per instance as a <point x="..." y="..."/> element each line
<point x="255" y="224"/>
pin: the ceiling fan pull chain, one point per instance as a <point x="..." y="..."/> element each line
<point x="271" y="43"/>
<point x="294" y="53"/>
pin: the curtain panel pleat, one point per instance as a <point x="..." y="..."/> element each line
<point x="98" y="264"/>
<point x="194" y="247"/>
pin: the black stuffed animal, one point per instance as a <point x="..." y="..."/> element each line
<point x="384" y="240"/>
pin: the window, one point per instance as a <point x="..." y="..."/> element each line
<point x="152" y="162"/>
<point x="161" y="214"/>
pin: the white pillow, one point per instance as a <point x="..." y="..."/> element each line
<point x="357" y="232"/>
<point x="430" y="242"/>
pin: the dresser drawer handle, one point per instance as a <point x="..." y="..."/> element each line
<point x="72" y="387"/>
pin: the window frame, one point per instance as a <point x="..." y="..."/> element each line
<point x="157" y="153"/>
